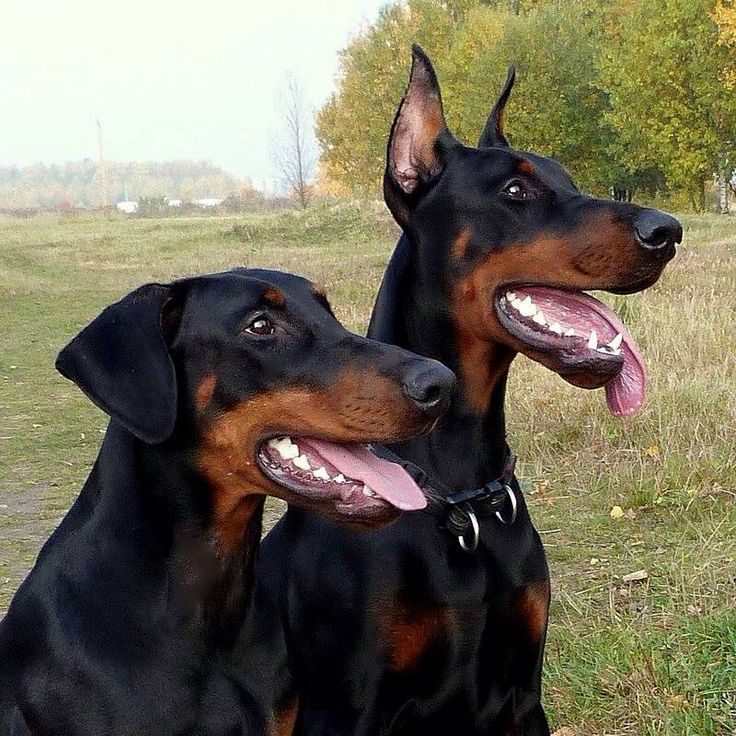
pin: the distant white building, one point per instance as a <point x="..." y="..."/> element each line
<point x="128" y="207"/>
<point x="174" y="203"/>
<point x="208" y="202"/>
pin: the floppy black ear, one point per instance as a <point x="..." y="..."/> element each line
<point x="121" y="361"/>
<point x="418" y="140"/>
<point x="493" y="134"/>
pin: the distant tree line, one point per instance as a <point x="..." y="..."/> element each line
<point x="80" y="184"/>
<point x="636" y="97"/>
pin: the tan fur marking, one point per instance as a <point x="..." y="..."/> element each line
<point x="285" y="719"/>
<point x="533" y="608"/>
<point x="410" y="632"/>
<point x="601" y="254"/>
<point x="481" y="366"/>
<point x="274" y="296"/>
<point x="460" y="246"/>
<point x="357" y="407"/>
<point x="526" y="167"/>
<point x="205" y="391"/>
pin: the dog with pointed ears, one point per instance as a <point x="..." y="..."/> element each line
<point x="499" y="248"/>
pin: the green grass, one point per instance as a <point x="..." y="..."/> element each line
<point x="650" y="657"/>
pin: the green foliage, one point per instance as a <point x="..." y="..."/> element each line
<point x="629" y="94"/>
<point x="352" y="125"/>
<point x="668" y="100"/>
<point x="724" y="14"/>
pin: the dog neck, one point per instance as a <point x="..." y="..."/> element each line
<point x="156" y="502"/>
<point x="468" y="446"/>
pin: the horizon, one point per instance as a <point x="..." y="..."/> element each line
<point x="183" y="85"/>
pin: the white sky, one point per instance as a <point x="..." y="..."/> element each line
<point x="166" y="79"/>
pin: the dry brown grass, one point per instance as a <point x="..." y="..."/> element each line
<point x="651" y="657"/>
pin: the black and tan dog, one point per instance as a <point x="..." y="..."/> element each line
<point x="499" y="247"/>
<point x="222" y="389"/>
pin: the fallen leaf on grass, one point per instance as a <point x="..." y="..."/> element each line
<point x="635" y="577"/>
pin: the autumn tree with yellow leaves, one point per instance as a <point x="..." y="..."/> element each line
<point x="632" y="95"/>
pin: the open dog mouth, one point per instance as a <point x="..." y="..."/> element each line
<point x="350" y="477"/>
<point x="578" y="337"/>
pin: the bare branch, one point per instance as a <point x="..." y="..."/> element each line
<point x="294" y="151"/>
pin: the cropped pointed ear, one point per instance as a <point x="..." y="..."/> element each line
<point x="121" y="361"/>
<point x="418" y="140"/>
<point x="493" y="135"/>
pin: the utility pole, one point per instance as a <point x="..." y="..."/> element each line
<point x="103" y="172"/>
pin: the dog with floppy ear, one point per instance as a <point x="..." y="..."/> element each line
<point x="122" y="363"/>
<point x="220" y="389"/>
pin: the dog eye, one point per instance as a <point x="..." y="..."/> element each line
<point x="515" y="190"/>
<point x="261" y="326"/>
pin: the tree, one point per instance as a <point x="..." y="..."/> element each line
<point x="77" y="183"/>
<point x="557" y="106"/>
<point x="294" y="154"/>
<point x="669" y="107"/>
<point x="353" y="125"/>
<point x="631" y="95"/>
<point x="724" y="14"/>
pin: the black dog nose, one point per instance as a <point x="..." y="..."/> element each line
<point x="655" y="229"/>
<point x="428" y="384"/>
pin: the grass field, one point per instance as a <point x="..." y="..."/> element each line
<point x="654" y="656"/>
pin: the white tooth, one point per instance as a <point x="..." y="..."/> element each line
<point x="593" y="340"/>
<point x="555" y="327"/>
<point x="322" y="474"/>
<point x="615" y="344"/>
<point x="570" y="333"/>
<point x="516" y="303"/>
<point x="302" y="462"/>
<point x="368" y="491"/>
<point x="339" y="478"/>
<point x="539" y="318"/>
<point x="528" y="308"/>
<point x="510" y="296"/>
<point x="285" y="447"/>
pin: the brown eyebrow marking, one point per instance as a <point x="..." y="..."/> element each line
<point x="274" y="296"/>
<point x="526" y="167"/>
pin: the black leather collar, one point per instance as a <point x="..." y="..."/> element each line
<point x="458" y="512"/>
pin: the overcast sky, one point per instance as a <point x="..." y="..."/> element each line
<point x="166" y="79"/>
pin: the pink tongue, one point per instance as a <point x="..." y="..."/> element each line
<point x="624" y="394"/>
<point x="389" y="480"/>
